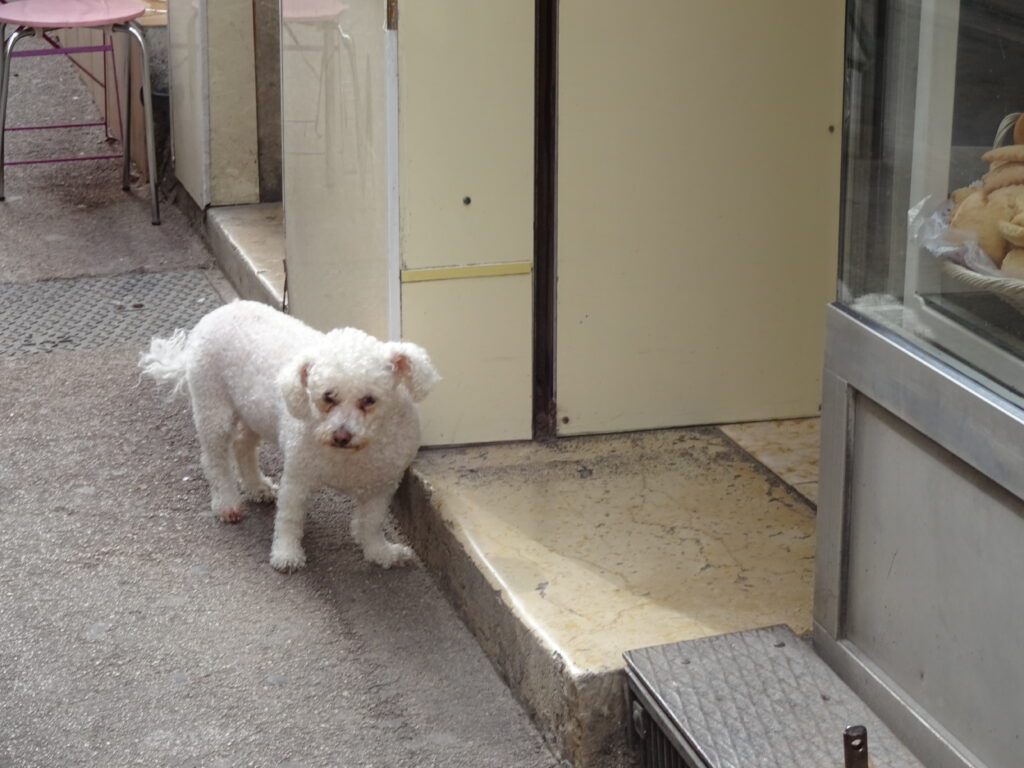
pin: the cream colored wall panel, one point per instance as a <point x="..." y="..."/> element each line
<point x="466" y="84"/>
<point x="335" y="174"/>
<point x="186" y="31"/>
<point x="234" y="153"/>
<point x="698" y="186"/>
<point x="477" y="331"/>
<point x="466" y="92"/>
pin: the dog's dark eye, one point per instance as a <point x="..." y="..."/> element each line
<point x="329" y="398"/>
<point x="366" y="402"/>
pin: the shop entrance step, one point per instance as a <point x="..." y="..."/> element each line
<point x="754" y="699"/>
<point x="561" y="556"/>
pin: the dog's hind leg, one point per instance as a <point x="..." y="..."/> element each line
<point x="255" y="485"/>
<point x="368" y="531"/>
<point x="215" y="427"/>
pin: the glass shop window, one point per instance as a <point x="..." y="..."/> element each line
<point x="932" y="241"/>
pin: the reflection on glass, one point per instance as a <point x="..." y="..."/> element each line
<point x="933" y="218"/>
<point x="325" y="87"/>
<point x="333" y="111"/>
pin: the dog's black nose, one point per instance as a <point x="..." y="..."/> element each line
<point x="342" y="438"/>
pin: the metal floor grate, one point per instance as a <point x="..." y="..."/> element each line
<point x="100" y="312"/>
<point x="754" y="699"/>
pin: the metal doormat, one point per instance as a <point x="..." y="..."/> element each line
<point x="100" y="312"/>
<point x="755" y="699"/>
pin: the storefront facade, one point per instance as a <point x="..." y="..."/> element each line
<point x="920" y="514"/>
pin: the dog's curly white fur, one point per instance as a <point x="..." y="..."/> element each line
<point x="340" y="405"/>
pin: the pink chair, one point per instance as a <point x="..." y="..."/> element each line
<point x="38" y="17"/>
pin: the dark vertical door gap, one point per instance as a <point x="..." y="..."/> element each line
<point x="544" y="223"/>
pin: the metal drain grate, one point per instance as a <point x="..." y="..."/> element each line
<point x="657" y="749"/>
<point x="100" y="312"/>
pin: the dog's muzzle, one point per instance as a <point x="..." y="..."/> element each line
<point x="341" y="438"/>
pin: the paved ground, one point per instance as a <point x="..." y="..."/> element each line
<point x="73" y="219"/>
<point x="135" y="630"/>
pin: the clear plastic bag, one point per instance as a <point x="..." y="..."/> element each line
<point x="932" y="233"/>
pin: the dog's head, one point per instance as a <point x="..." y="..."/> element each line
<point x="347" y="384"/>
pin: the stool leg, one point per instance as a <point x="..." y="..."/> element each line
<point x="3" y="118"/>
<point x="353" y="65"/>
<point x="328" y="62"/>
<point x="126" y="115"/>
<point x="147" y="105"/>
<point x="5" y="77"/>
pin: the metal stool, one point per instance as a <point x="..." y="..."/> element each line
<point x="32" y="18"/>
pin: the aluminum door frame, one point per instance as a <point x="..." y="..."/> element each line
<point x="970" y="421"/>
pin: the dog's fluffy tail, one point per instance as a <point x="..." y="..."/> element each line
<point x="165" y="361"/>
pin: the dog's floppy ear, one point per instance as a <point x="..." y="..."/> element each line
<point x="412" y="367"/>
<point x="292" y="382"/>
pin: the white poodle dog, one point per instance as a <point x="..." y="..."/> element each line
<point x="339" y="405"/>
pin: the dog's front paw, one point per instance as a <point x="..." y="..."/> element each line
<point x="390" y="555"/>
<point x="261" y="494"/>
<point x="232" y="514"/>
<point x="287" y="557"/>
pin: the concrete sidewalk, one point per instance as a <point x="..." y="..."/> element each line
<point x="134" y="629"/>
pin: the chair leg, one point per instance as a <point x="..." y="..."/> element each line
<point x="5" y="77"/>
<point x="3" y="117"/>
<point x="328" y="63"/>
<point x="350" y="49"/>
<point x="126" y="114"/>
<point x="147" y="105"/>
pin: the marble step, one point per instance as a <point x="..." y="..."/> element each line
<point x="248" y="242"/>
<point x="562" y="556"/>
